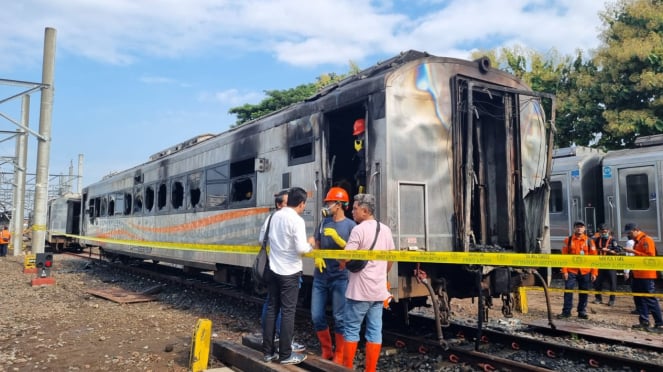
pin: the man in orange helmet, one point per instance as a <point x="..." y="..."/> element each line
<point x="358" y="130"/>
<point x="330" y="279"/>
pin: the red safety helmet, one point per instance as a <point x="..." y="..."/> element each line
<point x="359" y="127"/>
<point x="337" y="194"/>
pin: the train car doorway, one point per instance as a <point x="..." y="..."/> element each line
<point x="346" y="163"/>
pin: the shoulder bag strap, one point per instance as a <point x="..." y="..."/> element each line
<point x="377" y="231"/>
<point x="265" y="238"/>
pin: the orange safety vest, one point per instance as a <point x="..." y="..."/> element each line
<point x="644" y="246"/>
<point x="5" y="236"/>
<point x="580" y="245"/>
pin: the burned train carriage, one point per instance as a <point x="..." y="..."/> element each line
<point x="456" y="153"/>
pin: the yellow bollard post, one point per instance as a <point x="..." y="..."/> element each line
<point x="200" y="345"/>
<point x="522" y="300"/>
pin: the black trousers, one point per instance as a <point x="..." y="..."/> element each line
<point x="606" y="275"/>
<point x="283" y="293"/>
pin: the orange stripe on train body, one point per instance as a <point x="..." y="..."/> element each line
<point x="205" y="221"/>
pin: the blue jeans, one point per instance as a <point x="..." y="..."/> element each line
<point x="323" y="289"/>
<point x="355" y="313"/>
<point x="584" y="282"/>
<point x="3" y="250"/>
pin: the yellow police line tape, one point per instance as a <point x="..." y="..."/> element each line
<point x="473" y="258"/>
<point x="522" y="293"/>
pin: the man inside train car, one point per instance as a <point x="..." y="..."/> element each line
<point x="578" y="243"/>
<point x="280" y="200"/>
<point x="359" y="158"/>
<point x="287" y="242"/>
<point x="330" y="279"/>
<point x="606" y="246"/>
<point x="643" y="280"/>
<point x="367" y="288"/>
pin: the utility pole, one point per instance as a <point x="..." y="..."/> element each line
<point x="44" y="143"/>
<point x="19" y="177"/>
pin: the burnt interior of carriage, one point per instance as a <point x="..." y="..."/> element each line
<point x="489" y="181"/>
<point x="342" y="162"/>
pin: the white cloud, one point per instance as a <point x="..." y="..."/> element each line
<point x="297" y="32"/>
<point x="232" y="97"/>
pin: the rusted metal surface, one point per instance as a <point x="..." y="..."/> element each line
<point x="120" y="295"/>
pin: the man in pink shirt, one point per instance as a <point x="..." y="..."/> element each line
<point x="367" y="289"/>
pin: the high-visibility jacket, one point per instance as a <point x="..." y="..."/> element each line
<point x="644" y="246"/>
<point x="579" y="245"/>
<point x="5" y="236"/>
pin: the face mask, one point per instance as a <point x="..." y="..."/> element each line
<point x="326" y="211"/>
<point x="605" y="236"/>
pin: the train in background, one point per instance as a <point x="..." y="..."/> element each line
<point x="457" y="153"/>
<point x="614" y="187"/>
<point x="63" y="218"/>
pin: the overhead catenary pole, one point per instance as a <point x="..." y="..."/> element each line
<point x="80" y="174"/>
<point x="44" y="142"/>
<point x="19" y="177"/>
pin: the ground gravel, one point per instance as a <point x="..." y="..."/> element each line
<point x="63" y="328"/>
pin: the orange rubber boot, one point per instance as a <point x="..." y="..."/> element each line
<point x="325" y="344"/>
<point x="349" y="350"/>
<point x="372" y="356"/>
<point x="338" y="352"/>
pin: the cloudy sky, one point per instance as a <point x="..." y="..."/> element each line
<point x="133" y="77"/>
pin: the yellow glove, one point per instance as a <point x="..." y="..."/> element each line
<point x="320" y="263"/>
<point x="328" y="231"/>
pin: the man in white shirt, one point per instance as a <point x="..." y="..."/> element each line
<point x="288" y="242"/>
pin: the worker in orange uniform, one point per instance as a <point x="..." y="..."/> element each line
<point x="358" y="130"/>
<point x="643" y="280"/>
<point x="5" y="237"/>
<point x="578" y="243"/>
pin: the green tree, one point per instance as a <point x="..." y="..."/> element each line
<point x="278" y="99"/>
<point x="631" y="70"/>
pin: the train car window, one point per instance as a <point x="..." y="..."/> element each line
<point x="97" y="206"/>
<point x="218" y="173"/>
<point x="119" y="203"/>
<point x="162" y="195"/>
<point x="91" y="208"/>
<point x="242" y="189"/>
<point x="104" y="206"/>
<point x="217" y="194"/>
<point x="300" y="142"/>
<point x="637" y="192"/>
<point x="127" y="203"/>
<point x="177" y="193"/>
<point x="111" y="205"/>
<point x="138" y="200"/>
<point x="149" y="198"/>
<point x="195" y="191"/>
<point x="556" y="203"/>
<point x="217" y="186"/>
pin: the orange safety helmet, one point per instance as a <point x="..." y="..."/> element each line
<point x="359" y="127"/>
<point x="337" y="194"/>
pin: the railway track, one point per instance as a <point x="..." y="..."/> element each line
<point x="534" y="347"/>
